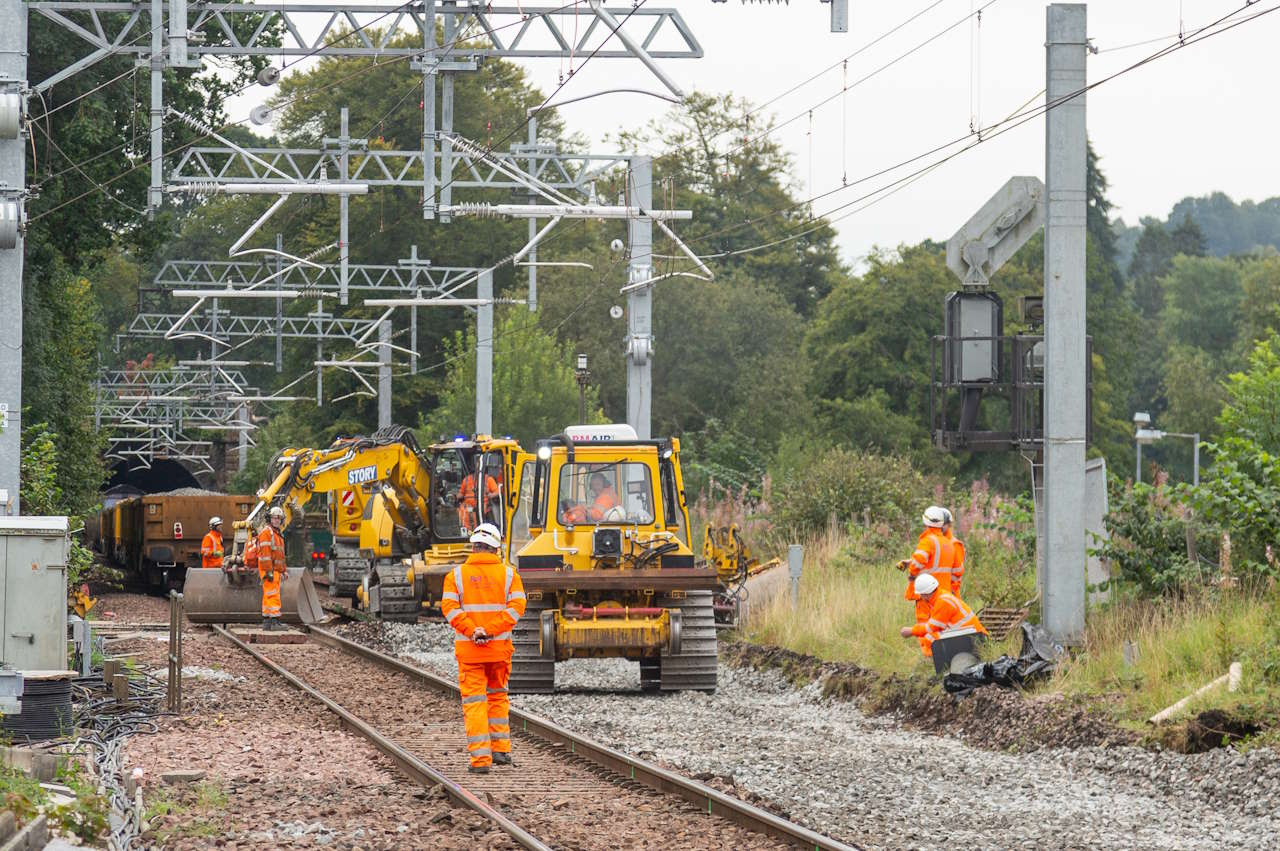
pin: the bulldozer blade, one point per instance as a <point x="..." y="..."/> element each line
<point x="212" y="596"/>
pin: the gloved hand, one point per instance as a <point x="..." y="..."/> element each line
<point x="903" y="564"/>
<point x="479" y="636"/>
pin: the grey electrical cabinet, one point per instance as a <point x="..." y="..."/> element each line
<point x="33" y="595"/>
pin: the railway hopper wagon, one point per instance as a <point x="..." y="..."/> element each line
<point x="156" y="537"/>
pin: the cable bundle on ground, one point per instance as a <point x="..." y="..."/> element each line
<point x="46" y="712"/>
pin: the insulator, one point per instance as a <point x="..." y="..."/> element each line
<point x="479" y="209"/>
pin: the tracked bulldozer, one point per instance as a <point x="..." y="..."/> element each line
<point x="601" y="539"/>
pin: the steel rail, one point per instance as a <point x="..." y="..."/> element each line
<point x="418" y="770"/>
<point x="628" y="767"/>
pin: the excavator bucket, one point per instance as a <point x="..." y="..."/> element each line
<point x="212" y="596"/>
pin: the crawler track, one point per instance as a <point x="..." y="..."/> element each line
<point x="565" y="791"/>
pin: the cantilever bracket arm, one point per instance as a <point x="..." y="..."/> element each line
<point x="606" y="17"/>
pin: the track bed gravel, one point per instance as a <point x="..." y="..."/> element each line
<point x="279" y="772"/>
<point x="554" y="795"/>
<point x="874" y="783"/>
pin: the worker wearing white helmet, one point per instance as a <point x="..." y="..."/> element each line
<point x="946" y="611"/>
<point x="271" y="566"/>
<point x="933" y="556"/>
<point x="211" y="545"/>
<point x="482" y="600"/>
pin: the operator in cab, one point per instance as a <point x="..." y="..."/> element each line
<point x="603" y="496"/>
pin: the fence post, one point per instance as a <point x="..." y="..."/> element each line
<point x="795" y="563"/>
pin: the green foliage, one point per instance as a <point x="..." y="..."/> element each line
<point x="1252" y="411"/>
<point x="85" y="817"/>
<point x="850" y="485"/>
<point x="1203" y="303"/>
<point x="1147" y="544"/>
<point x="1261" y="285"/>
<point x="1242" y="495"/>
<point x="42" y="495"/>
<point x="1193" y="391"/>
<point x="535" y="391"/>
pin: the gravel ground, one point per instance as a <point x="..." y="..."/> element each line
<point x="126" y="607"/>
<point x="279" y="771"/>
<point x="866" y="780"/>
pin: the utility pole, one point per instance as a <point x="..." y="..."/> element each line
<point x="384" y="373"/>
<point x="1063" y="606"/>
<point x="640" y="300"/>
<point x="13" y="175"/>
<point x="484" y="353"/>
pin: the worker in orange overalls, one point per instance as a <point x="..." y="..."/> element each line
<point x="483" y="598"/>
<point x="933" y="556"/>
<point x="211" y="546"/>
<point x="271" y="567"/>
<point x="603" y="496"/>
<point x="946" y="611"/>
<point x="957" y="552"/>
<point x="467" y="498"/>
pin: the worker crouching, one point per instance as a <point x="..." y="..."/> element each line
<point x="946" y="612"/>
<point x="483" y="598"/>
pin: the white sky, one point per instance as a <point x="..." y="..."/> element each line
<point x="1199" y="120"/>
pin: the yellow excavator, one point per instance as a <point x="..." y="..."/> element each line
<point x="471" y="483"/>
<point x="600" y="535"/>
<point x="380" y="517"/>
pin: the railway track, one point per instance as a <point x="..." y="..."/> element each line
<point x="565" y="791"/>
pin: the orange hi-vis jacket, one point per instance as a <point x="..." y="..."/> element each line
<point x="211" y="549"/>
<point x="606" y="499"/>
<point x="485" y="592"/>
<point x="957" y="563"/>
<point x="270" y="560"/>
<point x="947" y="612"/>
<point x="933" y="555"/>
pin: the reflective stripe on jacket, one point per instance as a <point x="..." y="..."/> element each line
<point x="483" y="592"/>
<point x="948" y="612"/>
<point x="270" y="551"/>
<point x="211" y="549"/>
<point x="933" y="555"/>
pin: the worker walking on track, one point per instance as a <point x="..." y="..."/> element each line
<point x="957" y="552"/>
<point x="946" y="611"/>
<point x="483" y="598"/>
<point x="271" y="567"/>
<point x="211" y="546"/>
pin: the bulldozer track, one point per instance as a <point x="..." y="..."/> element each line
<point x="565" y="790"/>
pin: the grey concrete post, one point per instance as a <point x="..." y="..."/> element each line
<point x="640" y="301"/>
<point x="344" y="208"/>
<point x="446" y="117"/>
<point x="155" y="195"/>
<point x="13" y="176"/>
<point x="1137" y="476"/>
<point x="384" y="373"/>
<point x="484" y="354"/>
<point x="319" y="372"/>
<point x="795" y="566"/>
<point x="280" y="305"/>
<point x="533" y="223"/>
<point x="1195" y="450"/>
<point x="428" y="109"/>
<point x="1063" y="605"/>
<point x="242" y="448"/>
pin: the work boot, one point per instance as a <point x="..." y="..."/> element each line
<point x="500" y="758"/>
<point x="478" y="769"/>
<point x="266" y="623"/>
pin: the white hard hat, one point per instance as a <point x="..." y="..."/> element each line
<point x="487" y="534"/>
<point x="946" y="512"/>
<point x="615" y="514"/>
<point x="925" y="585"/>
<point x="934" y="516"/>
<point x="276" y="511"/>
<point x="215" y="521"/>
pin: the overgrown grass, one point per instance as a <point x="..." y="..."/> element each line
<point x="194" y="805"/>
<point x="1182" y="644"/>
<point x="852" y="606"/>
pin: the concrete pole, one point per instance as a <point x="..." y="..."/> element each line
<point x="1137" y="476"/>
<point x="1063" y="605"/>
<point x="13" y="176"/>
<point x="344" y="208"/>
<point x="484" y="354"/>
<point x="428" y="109"/>
<point x="446" y="115"/>
<point x="156" y="193"/>
<point x="319" y="374"/>
<point x="533" y="223"/>
<point x="242" y="450"/>
<point x="384" y="373"/>
<point x="640" y="301"/>
<point x="280" y="305"/>
<point x="1195" y="469"/>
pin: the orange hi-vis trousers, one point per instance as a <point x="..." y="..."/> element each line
<point x="485" y="708"/>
